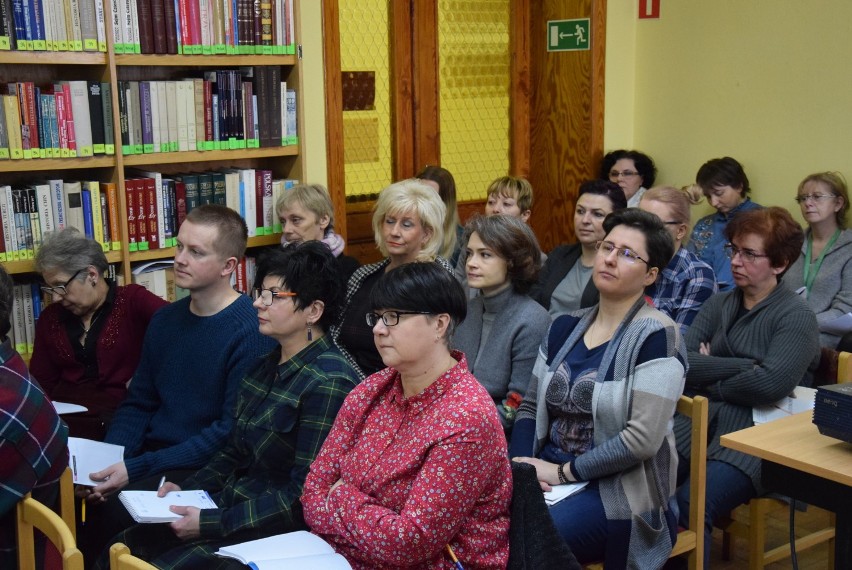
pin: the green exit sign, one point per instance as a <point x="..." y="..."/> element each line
<point x="568" y="35"/>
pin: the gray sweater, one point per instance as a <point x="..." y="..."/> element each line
<point x="512" y="345"/>
<point x="831" y="293"/>
<point x="754" y="361"/>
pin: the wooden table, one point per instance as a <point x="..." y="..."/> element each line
<point x="799" y="462"/>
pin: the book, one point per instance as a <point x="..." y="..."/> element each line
<point x="74" y="198"/>
<point x="86" y="456"/>
<point x="96" y="116"/>
<point x="82" y="120"/>
<point x="560" y="492"/>
<point x="4" y="135"/>
<point x="299" y="549"/>
<point x="147" y="507"/>
<point x="108" y="121"/>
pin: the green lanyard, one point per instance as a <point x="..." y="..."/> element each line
<point x="810" y="277"/>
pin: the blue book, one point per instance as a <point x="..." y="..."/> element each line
<point x="88" y="220"/>
<point x="36" y="288"/>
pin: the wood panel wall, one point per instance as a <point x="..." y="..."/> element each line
<point x="566" y="116"/>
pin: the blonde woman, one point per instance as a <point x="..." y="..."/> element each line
<point x="408" y="222"/>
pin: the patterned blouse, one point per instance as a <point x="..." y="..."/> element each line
<point x="418" y="473"/>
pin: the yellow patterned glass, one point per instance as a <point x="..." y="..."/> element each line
<point x="364" y="46"/>
<point x="473" y="58"/>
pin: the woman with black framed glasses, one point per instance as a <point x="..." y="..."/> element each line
<point x="747" y="347"/>
<point x="89" y="339"/>
<point x="822" y="274"/>
<point x="415" y="469"/>
<point x="600" y="404"/>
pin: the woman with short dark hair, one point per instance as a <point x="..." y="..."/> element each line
<point x="600" y="404"/>
<point x="726" y="187"/>
<point x="88" y="341"/>
<point x="415" y="467"/>
<point x="504" y="327"/>
<point x="747" y="347"/>
<point x="634" y="171"/>
<point x="565" y="283"/>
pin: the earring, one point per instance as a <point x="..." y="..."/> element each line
<point x="310" y="333"/>
<point x="94" y="283"/>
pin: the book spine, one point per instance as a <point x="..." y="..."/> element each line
<point x="35" y="217"/>
<point x="144" y="20"/>
<point x="100" y="25"/>
<point x="7" y="26"/>
<point x="170" y="26"/>
<point x="292" y="129"/>
<point x="96" y="117"/>
<point x="130" y="204"/>
<point x="160" y="26"/>
<point x="151" y="192"/>
<point x="117" y="26"/>
<point x="62" y="120"/>
<point x="108" y="124"/>
<point x="88" y="25"/>
<point x="81" y="118"/>
<point x="111" y="193"/>
<point x="105" y="229"/>
<point x="88" y="224"/>
<point x="189" y="112"/>
<point x="97" y="219"/>
<point x="147" y="122"/>
<point x="70" y="127"/>
<point x="181" y="115"/>
<point x="180" y="202"/>
<point x="4" y="134"/>
<point x="135" y="116"/>
<point x="13" y="126"/>
<point x="172" y="114"/>
<point x="76" y="37"/>
<point x="162" y="112"/>
<point x="57" y="203"/>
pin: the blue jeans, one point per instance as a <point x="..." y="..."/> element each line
<point x="581" y="522"/>
<point x="727" y="488"/>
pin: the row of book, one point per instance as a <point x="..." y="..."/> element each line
<point x="29" y="212"/>
<point x="223" y="110"/>
<point x="159" y="278"/>
<point x="52" y="25"/>
<point x="157" y="204"/>
<point x="263" y="27"/>
<point x="62" y="120"/>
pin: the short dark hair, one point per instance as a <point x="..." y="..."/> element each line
<point x="724" y="171"/>
<point x="6" y="295"/>
<point x="514" y="241"/>
<point x="310" y="270"/>
<point x="232" y="233"/>
<point x="421" y="286"/>
<point x="644" y="165"/>
<point x="658" y="240"/>
<point x="782" y="235"/>
<point x="605" y="188"/>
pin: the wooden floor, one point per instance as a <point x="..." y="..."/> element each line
<point x="815" y="558"/>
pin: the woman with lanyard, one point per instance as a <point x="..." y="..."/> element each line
<point x="823" y="273"/>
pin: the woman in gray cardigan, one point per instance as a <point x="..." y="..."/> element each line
<point x="747" y="347"/>
<point x="504" y="327"/>
<point x="822" y="274"/>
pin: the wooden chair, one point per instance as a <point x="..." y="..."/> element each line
<point x="35" y="515"/>
<point x="691" y="541"/>
<point x="749" y="521"/>
<point x="66" y="501"/>
<point x="121" y="559"/>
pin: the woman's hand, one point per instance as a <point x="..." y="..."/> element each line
<point x="704" y="348"/>
<point x="547" y="473"/>
<point x="167" y="488"/>
<point x="189" y="525"/>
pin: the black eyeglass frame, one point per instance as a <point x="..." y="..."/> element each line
<point x="61" y="290"/>
<point x="373" y="318"/>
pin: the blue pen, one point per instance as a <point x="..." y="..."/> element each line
<point x="455" y="560"/>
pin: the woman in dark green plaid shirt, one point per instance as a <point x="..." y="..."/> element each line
<point x="285" y="408"/>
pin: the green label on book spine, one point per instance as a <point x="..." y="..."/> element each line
<point x="85" y="151"/>
<point x="116" y="245"/>
<point x="4" y="153"/>
<point x="98" y="149"/>
<point x="173" y="146"/>
<point x="137" y="149"/>
<point x="133" y="246"/>
<point x="39" y="45"/>
<point x="206" y="50"/>
<point x="109" y="149"/>
<point x="253" y="143"/>
<point x="90" y="45"/>
<point x="143" y="246"/>
<point x="219" y="49"/>
<point x="5" y="45"/>
<point x="126" y="149"/>
<point x="77" y="45"/>
<point x="148" y="148"/>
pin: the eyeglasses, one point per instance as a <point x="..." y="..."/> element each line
<point x="61" y="290"/>
<point x="390" y="318"/>
<point x="672" y="223"/>
<point x="605" y="248"/>
<point x="623" y="173"/>
<point x="267" y="296"/>
<point x="816" y="197"/>
<point x="746" y="255"/>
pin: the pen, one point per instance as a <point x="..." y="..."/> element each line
<point x="162" y="482"/>
<point x="83" y="512"/>
<point x="74" y="466"/>
<point x="454" y="559"/>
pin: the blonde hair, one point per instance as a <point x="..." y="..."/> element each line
<point x="519" y="189"/>
<point x="407" y="197"/>
<point x="313" y="197"/>
<point x="837" y="185"/>
<point x="679" y="199"/>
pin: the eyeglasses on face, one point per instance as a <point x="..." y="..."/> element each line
<point x="605" y="248"/>
<point x="613" y="174"/>
<point x="61" y="290"/>
<point x="746" y="255"/>
<point x="390" y="318"/>
<point x="267" y="296"/>
<point x="815" y="197"/>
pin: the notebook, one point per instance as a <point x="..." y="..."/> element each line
<point x="87" y="456"/>
<point x="560" y="492"/>
<point x="147" y="507"/>
<point x="299" y="549"/>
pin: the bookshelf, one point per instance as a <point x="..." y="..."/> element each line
<point x="111" y="67"/>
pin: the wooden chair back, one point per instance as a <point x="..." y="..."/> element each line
<point x="31" y="515"/>
<point x="121" y="559"/>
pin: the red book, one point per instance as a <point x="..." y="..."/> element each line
<point x="150" y="202"/>
<point x="69" y="119"/>
<point x="185" y="34"/>
<point x="180" y="202"/>
<point x="194" y="23"/>
<point x="130" y="200"/>
<point x="160" y="25"/>
<point x="171" y="27"/>
<point x="32" y="117"/>
<point x="61" y="116"/>
<point x="240" y="276"/>
<point x="208" y="111"/>
<point x="258" y="198"/>
<point x="146" y="26"/>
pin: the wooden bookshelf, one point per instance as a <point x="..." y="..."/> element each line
<point x="40" y="164"/>
<point x="208" y="156"/>
<point x="203" y="60"/>
<point x="27" y="266"/>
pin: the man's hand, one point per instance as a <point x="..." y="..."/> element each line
<point x="112" y="480"/>
<point x="188" y="526"/>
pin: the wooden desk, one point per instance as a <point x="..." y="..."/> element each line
<point x="799" y="462"/>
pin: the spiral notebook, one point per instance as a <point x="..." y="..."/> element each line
<point x="147" y="507"/>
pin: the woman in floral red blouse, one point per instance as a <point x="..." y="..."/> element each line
<point x="416" y="464"/>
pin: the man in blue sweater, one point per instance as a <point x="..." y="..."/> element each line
<point x="178" y="410"/>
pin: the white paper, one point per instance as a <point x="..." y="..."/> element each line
<point x="147" y="507"/>
<point x="299" y="549"/>
<point x="839" y="326"/>
<point x="66" y="408"/>
<point x="87" y="456"/>
<point x="560" y="492"/>
<point x="801" y="400"/>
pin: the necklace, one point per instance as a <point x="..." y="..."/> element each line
<point x="91" y="322"/>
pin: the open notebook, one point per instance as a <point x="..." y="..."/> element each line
<point x="299" y="549"/>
